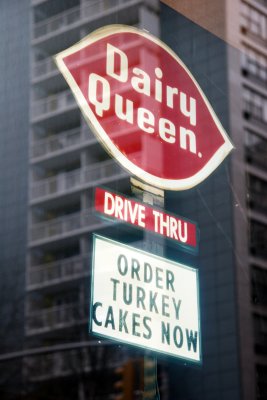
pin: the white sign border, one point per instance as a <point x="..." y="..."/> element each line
<point x="111" y="148"/>
<point x="126" y="342"/>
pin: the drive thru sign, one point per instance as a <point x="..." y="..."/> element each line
<point x="145" y="107"/>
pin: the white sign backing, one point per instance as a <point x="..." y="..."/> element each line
<point x="145" y="300"/>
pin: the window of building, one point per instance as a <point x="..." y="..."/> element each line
<point x="254" y="105"/>
<point x="261" y="374"/>
<point x="259" y="285"/>
<point x="256" y="149"/>
<point x="253" y="22"/>
<point x="258" y="193"/>
<point x="258" y="239"/>
<point x="260" y="331"/>
<point x="254" y="64"/>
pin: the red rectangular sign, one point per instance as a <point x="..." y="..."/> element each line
<point x="119" y="207"/>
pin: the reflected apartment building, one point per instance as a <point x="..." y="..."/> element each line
<point x="66" y="163"/>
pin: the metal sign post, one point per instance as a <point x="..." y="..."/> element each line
<point x="154" y="197"/>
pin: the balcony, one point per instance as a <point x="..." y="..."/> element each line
<point x="73" y="361"/>
<point x="44" y="68"/>
<point x="59" y="143"/>
<point x="52" y="104"/>
<point x="257" y="155"/>
<point x="77" y="15"/>
<point x="57" y="22"/>
<point x="57" y="364"/>
<point x="255" y="150"/>
<point x="68" y="182"/>
<point x="63" y="316"/>
<point x="61" y="227"/>
<point x="254" y="113"/>
<point x="257" y="39"/>
<point x="57" y="272"/>
<point x="256" y="73"/>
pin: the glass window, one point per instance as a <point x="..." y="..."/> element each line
<point x="260" y="329"/>
<point x="253" y="22"/>
<point x="57" y="275"/>
<point x="261" y="375"/>
<point x="258" y="238"/>
<point x="257" y="193"/>
<point x="259" y="285"/>
<point x="254" y="64"/>
<point x="256" y="149"/>
<point x="255" y="105"/>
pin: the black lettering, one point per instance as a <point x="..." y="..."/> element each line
<point x="127" y="294"/>
<point x="136" y="324"/>
<point x="98" y="323"/>
<point x="147" y="327"/>
<point x="122" y="323"/>
<point x="135" y="269"/>
<point x="165" y="305"/>
<point x="181" y="337"/>
<point x="165" y="332"/>
<point x="148" y="275"/>
<point x="159" y="279"/>
<point x="169" y="280"/>
<point x="191" y="341"/>
<point x="152" y="303"/>
<point x="177" y="307"/>
<point x="115" y="282"/>
<point x="122" y="265"/>
<point x="110" y="318"/>
<point x="140" y="297"/>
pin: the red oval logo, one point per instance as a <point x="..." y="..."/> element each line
<point x="145" y="107"/>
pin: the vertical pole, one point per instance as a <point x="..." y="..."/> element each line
<point x="155" y="197"/>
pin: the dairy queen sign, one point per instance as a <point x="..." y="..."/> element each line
<point x="145" y="107"/>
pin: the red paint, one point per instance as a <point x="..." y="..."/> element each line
<point x="171" y="132"/>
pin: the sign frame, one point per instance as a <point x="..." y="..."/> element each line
<point x="197" y="362"/>
<point x="180" y="245"/>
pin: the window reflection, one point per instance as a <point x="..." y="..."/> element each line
<point x="254" y="65"/>
<point x="253" y="23"/>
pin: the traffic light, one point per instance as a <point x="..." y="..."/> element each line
<point x="137" y="376"/>
<point x="128" y="380"/>
<point x="150" y="379"/>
